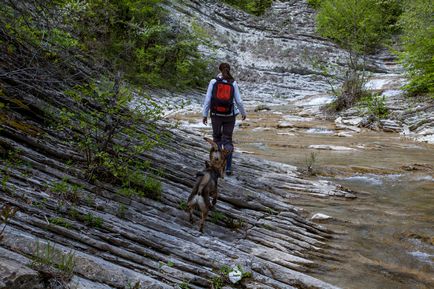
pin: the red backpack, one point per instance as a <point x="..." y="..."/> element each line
<point x="222" y="99"/>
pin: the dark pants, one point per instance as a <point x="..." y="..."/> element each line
<point x="222" y="130"/>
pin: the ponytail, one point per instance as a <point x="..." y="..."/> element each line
<point x="226" y="71"/>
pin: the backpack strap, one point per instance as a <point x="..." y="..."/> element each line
<point x="218" y="79"/>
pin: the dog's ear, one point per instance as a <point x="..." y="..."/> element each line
<point x="212" y="143"/>
<point x="207" y="165"/>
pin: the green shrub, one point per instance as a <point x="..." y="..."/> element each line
<point x="49" y="256"/>
<point x="109" y="133"/>
<point x="60" y="222"/>
<point x="133" y="36"/>
<point x="122" y="209"/>
<point x="140" y="185"/>
<point x="360" y="27"/>
<point x="417" y="24"/>
<point x="314" y="3"/>
<point x="255" y="7"/>
<point x="355" y="25"/>
<point x="152" y="187"/>
<point x="66" y="191"/>
<point x="375" y="104"/>
<point x="92" y="221"/>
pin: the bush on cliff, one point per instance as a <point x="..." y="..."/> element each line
<point x="417" y="24"/>
<point x="132" y="36"/>
<point x="255" y="7"/>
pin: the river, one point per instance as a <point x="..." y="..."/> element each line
<point x="385" y="236"/>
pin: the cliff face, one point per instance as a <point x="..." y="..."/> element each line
<point x="276" y="58"/>
<point x="273" y="56"/>
<point x="138" y="242"/>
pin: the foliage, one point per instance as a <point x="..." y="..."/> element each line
<point x="375" y="104"/>
<point x="391" y="10"/>
<point x="360" y="27"/>
<point x="184" y="285"/>
<point x="255" y="7"/>
<point x="231" y="223"/>
<point x="60" y="222"/>
<point x="122" y="209"/>
<point x="133" y="36"/>
<point x="92" y="221"/>
<point x="217" y="217"/>
<point x="316" y="4"/>
<point x="51" y="257"/>
<point x="417" y="24"/>
<point x="141" y="186"/>
<point x="136" y="285"/>
<point x="109" y="132"/>
<point x="182" y="205"/>
<point x="89" y="219"/>
<point x="7" y="211"/>
<point x="355" y="25"/>
<point x="67" y="191"/>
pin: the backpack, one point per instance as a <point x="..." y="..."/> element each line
<point x="222" y="99"/>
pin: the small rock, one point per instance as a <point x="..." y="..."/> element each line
<point x="284" y="124"/>
<point x="262" y="107"/>
<point x="355" y="121"/>
<point x="344" y="134"/>
<point x="320" y="217"/>
<point x="331" y="148"/>
<point x="286" y="133"/>
<point x="235" y="275"/>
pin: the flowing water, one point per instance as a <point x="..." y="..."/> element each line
<point x="387" y="232"/>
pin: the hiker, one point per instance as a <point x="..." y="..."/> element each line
<point x="224" y="101"/>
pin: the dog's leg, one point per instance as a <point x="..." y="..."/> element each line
<point x="190" y="210"/>
<point x="191" y="200"/>
<point x="204" y="215"/>
<point x="207" y="202"/>
<point x="214" y="198"/>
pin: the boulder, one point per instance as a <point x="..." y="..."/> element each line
<point x="15" y="275"/>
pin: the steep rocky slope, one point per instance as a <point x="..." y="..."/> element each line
<point x="256" y="226"/>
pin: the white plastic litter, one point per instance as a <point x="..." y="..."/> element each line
<point x="235" y="275"/>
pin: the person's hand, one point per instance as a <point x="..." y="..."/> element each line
<point x="243" y="117"/>
<point x="205" y="120"/>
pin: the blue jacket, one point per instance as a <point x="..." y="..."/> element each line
<point x="238" y="107"/>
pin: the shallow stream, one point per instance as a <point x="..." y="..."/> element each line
<point x="387" y="232"/>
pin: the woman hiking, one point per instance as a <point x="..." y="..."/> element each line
<point x="224" y="103"/>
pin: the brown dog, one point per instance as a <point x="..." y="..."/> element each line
<point x="206" y="183"/>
